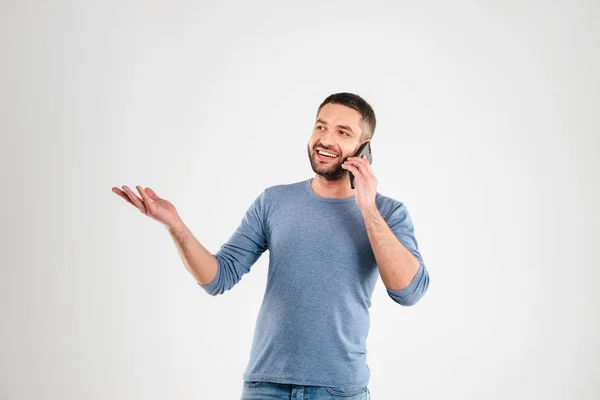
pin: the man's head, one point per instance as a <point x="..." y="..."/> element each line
<point x="344" y="122"/>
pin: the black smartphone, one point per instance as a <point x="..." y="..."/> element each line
<point x="365" y="149"/>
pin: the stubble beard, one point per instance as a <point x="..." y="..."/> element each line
<point x="331" y="172"/>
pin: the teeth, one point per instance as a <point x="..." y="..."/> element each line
<point x="326" y="153"/>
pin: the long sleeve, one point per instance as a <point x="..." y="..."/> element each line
<point x="401" y="225"/>
<point x="236" y="257"/>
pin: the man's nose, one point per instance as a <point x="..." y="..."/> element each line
<point x="327" y="139"/>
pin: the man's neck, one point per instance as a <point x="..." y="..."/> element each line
<point x="332" y="189"/>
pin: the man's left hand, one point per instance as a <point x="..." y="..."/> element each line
<point x="366" y="183"/>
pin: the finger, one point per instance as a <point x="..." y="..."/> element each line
<point x="367" y="164"/>
<point x="123" y="195"/>
<point x="354" y="170"/>
<point x="145" y="197"/>
<point x="138" y="202"/>
<point x="356" y="164"/>
<point x="362" y="164"/>
<point x="151" y="193"/>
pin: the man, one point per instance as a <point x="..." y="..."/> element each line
<point x="328" y="243"/>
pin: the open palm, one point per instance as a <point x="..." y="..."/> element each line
<point x="150" y="204"/>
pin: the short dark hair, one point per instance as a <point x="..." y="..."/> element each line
<point x="359" y="104"/>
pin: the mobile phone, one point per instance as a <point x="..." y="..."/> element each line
<point x="365" y="149"/>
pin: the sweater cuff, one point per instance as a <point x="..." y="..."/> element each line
<point x="211" y="288"/>
<point x="410" y="294"/>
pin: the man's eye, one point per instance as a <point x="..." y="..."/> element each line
<point x="346" y="133"/>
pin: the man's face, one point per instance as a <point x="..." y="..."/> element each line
<point x="336" y="132"/>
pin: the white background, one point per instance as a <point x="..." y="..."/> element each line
<point x="488" y="130"/>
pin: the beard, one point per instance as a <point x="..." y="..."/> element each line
<point x="332" y="171"/>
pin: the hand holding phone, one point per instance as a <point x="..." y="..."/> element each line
<point x="365" y="149"/>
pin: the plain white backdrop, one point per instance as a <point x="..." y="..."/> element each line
<point x="488" y="130"/>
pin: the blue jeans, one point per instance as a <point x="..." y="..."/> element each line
<point x="258" y="390"/>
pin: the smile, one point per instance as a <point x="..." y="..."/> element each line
<point x="325" y="155"/>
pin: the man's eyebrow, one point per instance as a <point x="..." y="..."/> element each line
<point x="339" y="126"/>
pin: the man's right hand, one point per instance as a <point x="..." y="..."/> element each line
<point x="151" y="205"/>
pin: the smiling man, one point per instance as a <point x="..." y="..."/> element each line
<point x="328" y="244"/>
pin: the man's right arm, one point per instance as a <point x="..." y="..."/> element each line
<point x="220" y="272"/>
<point x="198" y="261"/>
<point x="214" y="273"/>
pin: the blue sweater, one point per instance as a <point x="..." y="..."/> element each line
<point x="314" y="320"/>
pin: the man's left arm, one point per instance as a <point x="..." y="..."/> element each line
<point x="393" y="241"/>
<point x="397" y="265"/>
<point x="400" y="264"/>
